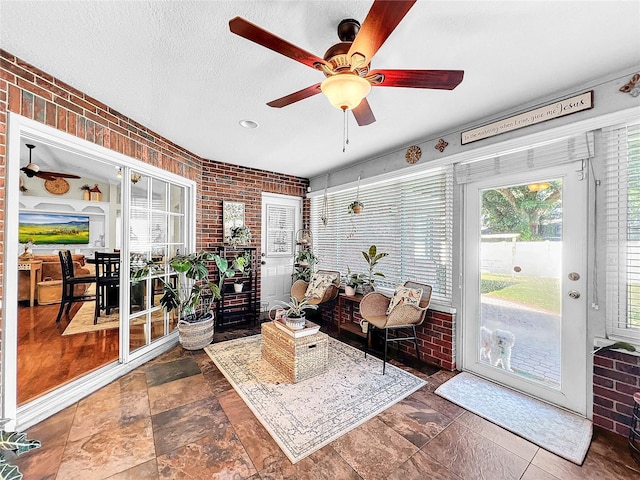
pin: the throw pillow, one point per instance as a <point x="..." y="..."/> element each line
<point x="318" y="285"/>
<point x="404" y="295"/>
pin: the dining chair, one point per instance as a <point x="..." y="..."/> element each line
<point x="73" y="288"/>
<point x="405" y="310"/>
<point x="107" y="283"/>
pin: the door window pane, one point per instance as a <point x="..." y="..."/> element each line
<point x="520" y="280"/>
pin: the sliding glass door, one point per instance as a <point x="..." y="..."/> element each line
<point x="157" y="220"/>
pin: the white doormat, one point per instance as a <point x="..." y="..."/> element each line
<point x="558" y="431"/>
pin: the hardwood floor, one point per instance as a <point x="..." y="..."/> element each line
<point x="47" y="360"/>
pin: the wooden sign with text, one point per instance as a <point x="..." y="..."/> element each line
<point x="568" y="106"/>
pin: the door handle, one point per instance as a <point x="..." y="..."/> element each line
<point x="263" y="262"/>
<point x="574" y="294"/>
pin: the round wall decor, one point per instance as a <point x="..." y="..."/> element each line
<point x="413" y="154"/>
<point x="59" y="186"/>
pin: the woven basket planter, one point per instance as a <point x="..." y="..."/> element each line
<point x="196" y="335"/>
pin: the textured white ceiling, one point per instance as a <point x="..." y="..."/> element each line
<point x="175" y="67"/>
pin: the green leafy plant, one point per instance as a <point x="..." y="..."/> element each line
<point x="354" y="279"/>
<point x="16" y="442"/>
<point x="296" y="308"/>
<point x="617" y="346"/>
<point x="305" y="260"/>
<point x="242" y="263"/>
<point x="188" y="292"/>
<point x="372" y="257"/>
<point x="240" y="235"/>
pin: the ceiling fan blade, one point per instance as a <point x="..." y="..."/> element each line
<point x="250" y="31"/>
<point x="363" y="113"/>
<point x="438" y="79"/>
<point x="381" y="20"/>
<point x="296" y="96"/>
<point x="54" y="175"/>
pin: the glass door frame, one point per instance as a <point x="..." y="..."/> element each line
<point x="20" y="128"/>
<point x="573" y="391"/>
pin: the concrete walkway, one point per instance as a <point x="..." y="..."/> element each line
<point x="536" y="353"/>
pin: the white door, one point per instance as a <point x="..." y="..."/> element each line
<point x="524" y="313"/>
<point x="281" y="219"/>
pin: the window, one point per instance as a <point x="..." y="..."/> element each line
<point x="622" y="190"/>
<point x="410" y="218"/>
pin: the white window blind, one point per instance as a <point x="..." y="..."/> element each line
<point x="552" y="153"/>
<point x="623" y="232"/>
<point x="280" y="226"/>
<point x="411" y="219"/>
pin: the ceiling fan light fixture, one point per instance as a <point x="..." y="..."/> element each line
<point x="33" y="167"/>
<point x="345" y="90"/>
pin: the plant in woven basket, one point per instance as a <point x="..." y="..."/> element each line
<point x="16" y="442"/>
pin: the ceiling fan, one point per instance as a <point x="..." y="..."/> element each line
<point x="347" y="64"/>
<point x="33" y="170"/>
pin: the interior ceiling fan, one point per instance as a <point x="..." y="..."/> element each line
<point x="33" y="170"/>
<point x="347" y="65"/>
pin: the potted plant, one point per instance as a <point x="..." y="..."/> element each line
<point x="238" y="285"/>
<point x="240" y="235"/>
<point x="353" y="281"/>
<point x="294" y="312"/>
<point x="86" y="191"/>
<point x="305" y="260"/>
<point x="356" y="207"/>
<point x="193" y="289"/>
<point x="372" y="257"/>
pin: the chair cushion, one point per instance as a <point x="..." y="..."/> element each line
<point x="405" y="296"/>
<point x="318" y="285"/>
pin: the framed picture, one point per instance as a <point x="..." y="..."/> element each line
<point x="45" y="229"/>
<point x="232" y="217"/>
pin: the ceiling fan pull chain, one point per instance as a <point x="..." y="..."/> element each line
<point x="345" y="130"/>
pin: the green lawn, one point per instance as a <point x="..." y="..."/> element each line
<point x="543" y="293"/>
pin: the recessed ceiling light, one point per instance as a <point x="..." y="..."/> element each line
<point x="248" y="124"/>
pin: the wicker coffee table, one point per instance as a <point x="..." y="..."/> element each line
<point x="296" y="358"/>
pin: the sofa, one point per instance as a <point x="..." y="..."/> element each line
<point x="51" y="270"/>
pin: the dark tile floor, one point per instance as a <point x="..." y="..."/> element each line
<point x="177" y="417"/>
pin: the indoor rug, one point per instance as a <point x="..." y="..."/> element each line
<point x="558" y="431"/>
<point x="303" y="417"/>
<point x="82" y="321"/>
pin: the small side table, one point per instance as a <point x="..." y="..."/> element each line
<point x="348" y="301"/>
<point x="35" y="275"/>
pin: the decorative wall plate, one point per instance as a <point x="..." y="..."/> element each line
<point x="59" y="186"/>
<point x="413" y="154"/>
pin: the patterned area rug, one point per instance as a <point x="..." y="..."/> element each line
<point x="556" y="430"/>
<point x="305" y="416"/>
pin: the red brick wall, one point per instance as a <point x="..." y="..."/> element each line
<point x="616" y="377"/>
<point x="34" y="94"/>
<point x="225" y="182"/>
